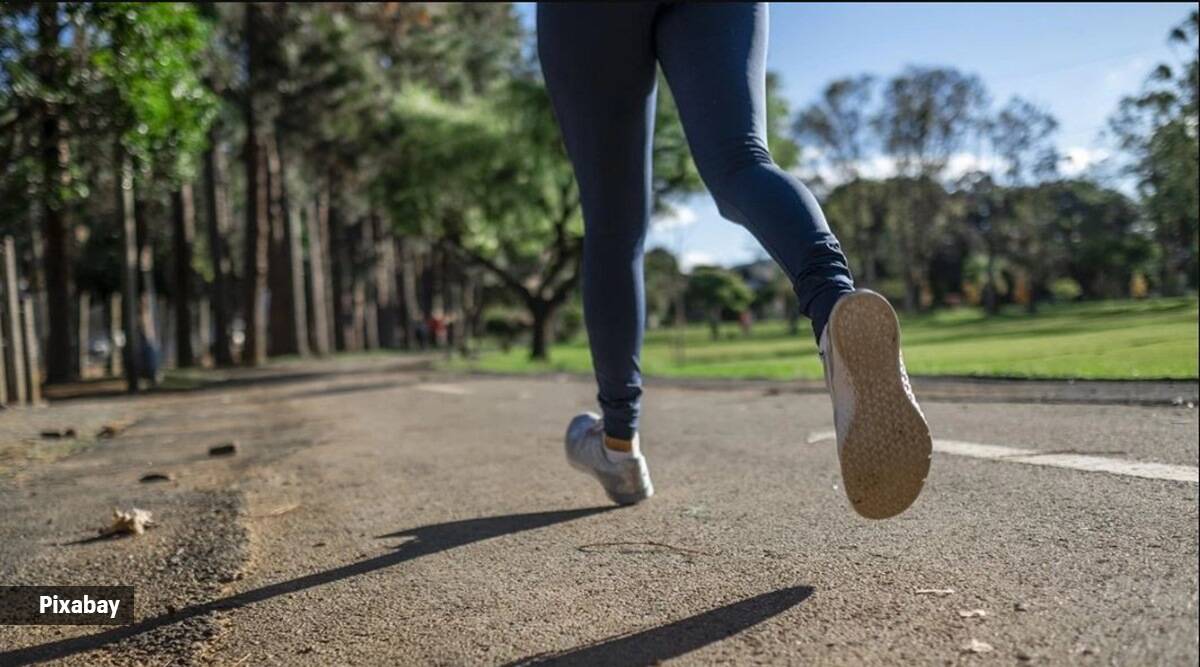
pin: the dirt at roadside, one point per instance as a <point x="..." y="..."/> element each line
<point x="101" y="450"/>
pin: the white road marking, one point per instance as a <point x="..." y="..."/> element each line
<point x="1175" y="473"/>
<point x="451" y="389"/>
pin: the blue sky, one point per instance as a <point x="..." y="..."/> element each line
<point x="1076" y="60"/>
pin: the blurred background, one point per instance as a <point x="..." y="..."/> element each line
<point x="191" y="185"/>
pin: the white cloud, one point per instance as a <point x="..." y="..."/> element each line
<point x="694" y="258"/>
<point x="878" y="166"/>
<point x="677" y="218"/>
<point x="1079" y="159"/>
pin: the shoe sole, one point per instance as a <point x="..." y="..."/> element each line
<point x="618" y="498"/>
<point x="886" y="451"/>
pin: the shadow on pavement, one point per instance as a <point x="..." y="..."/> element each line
<point x="427" y="540"/>
<point x="652" y="646"/>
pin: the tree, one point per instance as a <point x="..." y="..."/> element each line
<point x="927" y="114"/>
<point x="1104" y="239"/>
<point x="504" y="197"/>
<point x="1020" y="135"/>
<point x="43" y="84"/>
<point x="714" y="290"/>
<point x="56" y="181"/>
<point x="983" y="208"/>
<point x="861" y="208"/>
<point x="664" y="283"/>
<point x="839" y="125"/>
<point x="1159" y="130"/>
<point x="78" y="72"/>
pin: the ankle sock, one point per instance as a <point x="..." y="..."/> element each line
<point x="622" y="454"/>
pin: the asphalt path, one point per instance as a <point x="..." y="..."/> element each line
<point x="385" y="515"/>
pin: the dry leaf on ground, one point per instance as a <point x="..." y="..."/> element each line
<point x="132" y="522"/>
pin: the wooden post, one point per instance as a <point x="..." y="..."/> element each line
<point x="114" y="333"/>
<point x="12" y="322"/>
<point x="318" y="230"/>
<point x="129" y="269"/>
<point x="3" y="382"/>
<point x="33" y="363"/>
<point x="85" y="331"/>
<point x="184" y="220"/>
<point x="204" y="331"/>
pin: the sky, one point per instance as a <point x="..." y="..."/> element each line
<point x="1075" y="60"/>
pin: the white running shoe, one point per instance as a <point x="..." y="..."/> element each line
<point x="626" y="481"/>
<point x="883" y="440"/>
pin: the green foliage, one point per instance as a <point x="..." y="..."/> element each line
<point x="1020" y="135"/>
<point x="664" y="283"/>
<point x="714" y="290"/>
<point x="927" y="114"/>
<point x="1065" y="289"/>
<point x="838" y="124"/>
<point x="1159" y="129"/>
<point x="784" y="150"/>
<point x="569" y="323"/>
<point x="148" y="55"/>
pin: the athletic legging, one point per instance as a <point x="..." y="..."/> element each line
<point x="599" y="63"/>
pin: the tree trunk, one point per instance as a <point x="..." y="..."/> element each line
<point x="467" y="306"/>
<point x="147" y="304"/>
<point x="385" y="283"/>
<point x="185" y="225"/>
<point x="295" y="248"/>
<point x="450" y="302"/>
<point x="339" y="250"/>
<point x="1169" y="282"/>
<point x="214" y="182"/>
<point x="543" y="319"/>
<point x="37" y="271"/>
<point x="257" y="227"/>
<point x="358" y="291"/>
<point x="317" y="220"/>
<point x="129" y="274"/>
<point x="369" y="288"/>
<point x="55" y="159"/>
<point x="412" y="306"/>
<point x="870" y="277"/>
<point x="287" y="307"/>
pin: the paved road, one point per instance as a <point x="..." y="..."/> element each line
<point x="384" y="515"/>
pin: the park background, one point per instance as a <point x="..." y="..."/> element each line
<point x="223" y="185"/>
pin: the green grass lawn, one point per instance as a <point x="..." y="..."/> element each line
<point x="1102" y="340"/>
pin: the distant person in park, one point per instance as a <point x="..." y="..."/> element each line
<point x="599" y="61"/>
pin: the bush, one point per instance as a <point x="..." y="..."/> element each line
<point x="1065" y="289"/>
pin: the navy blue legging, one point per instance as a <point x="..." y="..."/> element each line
<point x="599" y="63"/>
